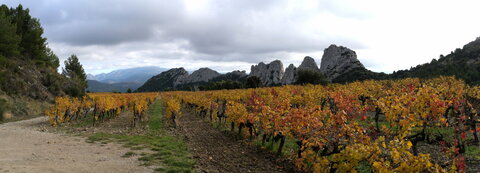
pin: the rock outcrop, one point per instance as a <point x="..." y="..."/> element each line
<point x="270" y="74"/>
<point x="338" y="60"/>
<point x="290" y="75"/>
<point x="200" y="75"/>
<point x="309" y="63"/>
<point x="166" y="80"/>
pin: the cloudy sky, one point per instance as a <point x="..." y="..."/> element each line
<point x="230" y="35"/>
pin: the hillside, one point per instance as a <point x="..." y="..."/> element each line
<point x="164" y="81"/>
<point x="29" y="79"/>
<point x="464" y="63"/>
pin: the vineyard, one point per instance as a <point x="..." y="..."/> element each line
<point x="372" y="125"/>
<point x="379" y="126"/>
<point x="101" y="107"/>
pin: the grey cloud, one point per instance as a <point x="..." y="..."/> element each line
<point x="102" y="22"/>
<point x="230" y="30"/>
<point x="246" y="26"/>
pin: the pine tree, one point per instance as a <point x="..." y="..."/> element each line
<point x="9" y="40"/>
<point x="74" y="71"/>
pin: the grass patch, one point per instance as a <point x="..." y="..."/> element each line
<point x="170" y="154"/>
<point x="473" y="152"/>
<point x="129" y="154"/>
<point x="289" y="148"/>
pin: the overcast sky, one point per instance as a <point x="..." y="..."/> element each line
<point x="228" y="35"/>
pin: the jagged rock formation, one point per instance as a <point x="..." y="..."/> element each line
<point x="270" y="74"/>
<point x="339" y="64"/>
<point x="166" y="80"/>
<point x="290" y="75"/>
<point x="338" y="60"/>
<point x="200" y="75"/>
<point x="309" y="63"/>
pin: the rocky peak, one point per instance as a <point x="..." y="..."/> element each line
<point x="290" y="75"/>
<point x="308" y="63"/>
<point x="269" y="74"/>
<point x="165" y="80"/>
<point x="200" y="75"/>
<point x="337" y="60"/>
<point x="174" y="72"/>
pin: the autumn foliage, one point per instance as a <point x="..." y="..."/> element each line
<point x="377" y="124"/>
<point x="102" y="106"/>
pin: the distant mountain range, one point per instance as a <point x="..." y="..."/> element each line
<point x="137" y="74"/>
<point x="96" y="86"/>
<point x="336" y="61"/>
<point x="339" y="64"/>
<point x="121" y="80"/>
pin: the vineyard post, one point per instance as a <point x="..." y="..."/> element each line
<point x="240" y="127"/>
<point x="377" y="114"/>
<point x="211" y="111"/>
<point x="300" y="148"/>
<point x="264" y="137"/>
<point x="173" y="120"/>
<point x="280" y="147"/>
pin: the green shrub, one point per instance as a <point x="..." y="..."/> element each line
<point x="306" y="76"/>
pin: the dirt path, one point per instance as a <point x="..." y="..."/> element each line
<point x="216" y="151"/>
<point x="25" y="147"/>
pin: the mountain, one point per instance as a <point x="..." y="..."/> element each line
<point x="179" y="79"/>
<point x="290" y="75"/>
<point x="338" y="60"/>
<point x="96" y="86"/>
<point x="137" y="75"/>
<point x="230" y="80"/>
<point x="309" y="63"/>
<point x="164" y="81"/>
<point x="339" y="65"/>
<point x="269" y="74"/>
<point x="200" y="75"/>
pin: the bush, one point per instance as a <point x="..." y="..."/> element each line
<point x="253" y="82"/>
<point x="306" y="76"/>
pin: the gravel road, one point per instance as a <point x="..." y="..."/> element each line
<point x="26" y="147"/>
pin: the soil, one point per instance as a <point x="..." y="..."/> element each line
<point x="217" y="151"/>
<point x="27" y="146"/>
